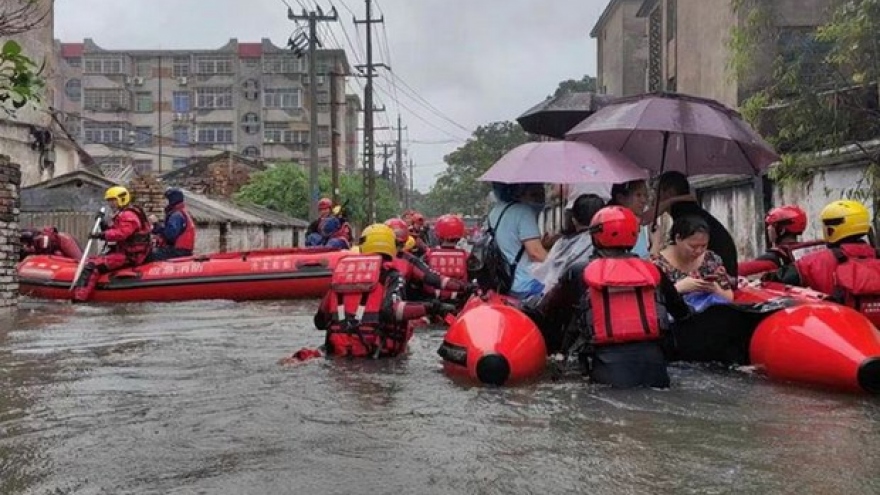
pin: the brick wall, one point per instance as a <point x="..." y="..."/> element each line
<point x="10" y="179"/>
<point x="215" y="180"/>
<point x="149" y="194"/>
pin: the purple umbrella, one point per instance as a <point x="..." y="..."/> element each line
<point x="668" y="131"/>
<point x="563" y="162"/>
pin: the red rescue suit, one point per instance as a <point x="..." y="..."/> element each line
<point x="778" y="257"/>
<point x="364" y="314"/>
<point x="50" y="241"/>
<point x="447" y="262"/>
<point x="129" y="241"/>
<point x="622" y="300"/>
<point x="415" y="270"/>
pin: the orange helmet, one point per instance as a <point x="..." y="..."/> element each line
<point x="789" y="217"/>
<point x="401" y="230"/>
<point x="449" y="228"/>
<point x="615" y="227"/>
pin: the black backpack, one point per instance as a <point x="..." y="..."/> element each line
<point x="487" y="264"/>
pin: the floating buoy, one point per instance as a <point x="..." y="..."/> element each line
<point x="495" y="344"/>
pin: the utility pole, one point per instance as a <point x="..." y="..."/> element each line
<point x="399" y="185"/>
<point x="385" y="155"/>
<point x="369" y="157"/>
<point x="412" y="190"/>
<point x="313" y="19"/>
<point x="334" y="135"/>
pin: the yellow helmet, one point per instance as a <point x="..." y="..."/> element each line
<point x="842" y="219"/>
<point x="120" y="194"/>
<point x="410" y="244"/>
<point x="378" y="239"/>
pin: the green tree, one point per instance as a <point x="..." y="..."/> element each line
<point x="284" y="188"/>
<point x="585" y="84"/>
<point x="20" y="81"/>
<point x="457" y="188"/>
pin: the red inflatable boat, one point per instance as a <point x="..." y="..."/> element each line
<point x="788" y="333"/>
<point x="240" y="276"/>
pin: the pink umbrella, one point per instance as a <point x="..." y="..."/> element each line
<point x="563" y="162"/>
<point x="669" y="131"/>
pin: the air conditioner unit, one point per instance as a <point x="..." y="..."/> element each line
<point x="182" y="80"/>
<point x="128" y="80"/>
<point x="138" y="81"/>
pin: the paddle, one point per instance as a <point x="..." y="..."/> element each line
<point x="85" y="256"/>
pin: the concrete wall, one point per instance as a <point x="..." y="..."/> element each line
<point x="622" y="50"/>
<point x="701" y="54"/>
<point x="10" y="178"/>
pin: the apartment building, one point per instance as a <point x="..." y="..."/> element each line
<point x="158" y="110"/>
<point x="684" y="45"/>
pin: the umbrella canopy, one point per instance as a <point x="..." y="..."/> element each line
<point x="668" y="131"/>
<point x="563" y="162"/>
<point x="557" y="115"/>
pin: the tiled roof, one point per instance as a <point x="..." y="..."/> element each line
<point x="71" y="50"/>
<point x="250" y="50"/>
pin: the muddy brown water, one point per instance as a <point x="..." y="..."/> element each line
<point x="189" y="399"/>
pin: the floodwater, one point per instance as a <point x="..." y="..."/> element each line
<point x="190" y="399"/>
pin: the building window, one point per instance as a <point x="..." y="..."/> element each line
<point x="74" y="61"/>
<point x="215" y="133"/>
<point x="143" y="102"/>
<point x="180" y="101"/>
<point x="281" y="98"/>
<point x="143" y="67"/>
<point x="180" y="67"/>
<point x="110" y="166"/>
<point x="655" y="50"/>
<point x="104" y="65"/>
<point x="250" y="123"/>
<point x="323" y="101"/>
<point x="178" y="163"/>
<point x="143" y="137"/>
<point x="112" y="100"/>
<point x="798" y="46"/>
<point x="280" y="132"/>
<point x="103" y="132"/>
<point x="251" y="152"/>
<point x="251" y="89"/>
<point x="142" y="167"/>
<point x="671" y="18"/>
<point x="214" y="97"/>
<point x="282" y="64"/>
<point x="181" y="136"/>
<point x="213" y="64"/>
<point x="73" y="89"/>
<point x="323" y="136"/>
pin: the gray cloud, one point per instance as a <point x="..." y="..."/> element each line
<point x="476" y="61"/>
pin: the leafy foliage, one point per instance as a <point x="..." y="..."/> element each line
<point x="457" y="189"/>
<point x="284" y="188"/>
<point x="20" y="81"/>
<point x="585" y="84"/>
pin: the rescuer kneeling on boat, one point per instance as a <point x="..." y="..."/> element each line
<point x="623" y="306"/>
<point x="848" y="270"/>
<point x="414" y="269"/>
<point x="49" y="241"/>
<point x="784" y="225"/>
<point x="176" y="236"/>
<point x="364" y="313"/>
<point x="129" y="242"/>
<point x="448" y="259"/>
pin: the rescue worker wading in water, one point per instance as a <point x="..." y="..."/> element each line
<point x="415" y="270"/>
<point x="621" y="305"/>
<point x="129" y="242"/>
<point x="848" y="270"/>
<point x="447" y="259"/>
<point x="364" y="313"/>
<point x="784" y="225"/>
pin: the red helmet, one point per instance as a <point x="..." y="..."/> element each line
<point x="791" y="218"/>
<point x="401" y="230"/>
<point x="615" y="227"/>
<point x="325" y="204"/>
<point x="449" y="228"/>
<point x="418" y="218"/>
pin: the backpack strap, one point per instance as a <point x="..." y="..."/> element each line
<point x="839" y="255"/>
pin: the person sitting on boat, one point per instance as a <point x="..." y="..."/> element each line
<point x="621" y="307"/>
<point x="325" y="209"/>
<point x="697" y="272"/>
<point x="365" y="313"/>
<point x="415" y="270"/>
<point x="448" y="259"/>
<point x="129" y="242"/>
<point x="784" y="225"/>
<point x="634" y="195"/>
<point x="848" y="270"/>
<point x="575" y="245"/>
<point x="339" y="211"/>
<point x="333" y="233"/>
<point x="674" y="197"/>
<point x="175" y="237"/>
<point x="48" y="241"/>
<point x="421" y="231"/>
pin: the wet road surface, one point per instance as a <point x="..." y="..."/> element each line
<point x="189" y="398"/>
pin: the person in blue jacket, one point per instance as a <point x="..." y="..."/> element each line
<point x="176" y="236"/>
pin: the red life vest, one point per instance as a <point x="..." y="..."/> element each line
<point x="449" y="262"/>
<point x="138" y="245"/>
<point x="187" y="238"/>
<point x="357" y="290"/>
<point x="853" y="276"/>
<point x="793" y="251"/>
<point x="816" y="270"/>
<point x="403" y="267"/>
<point x="621" y="294"/>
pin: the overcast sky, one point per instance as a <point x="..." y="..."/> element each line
<point x="473" y="61"/>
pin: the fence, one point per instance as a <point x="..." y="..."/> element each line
<point x="78" y="224"/>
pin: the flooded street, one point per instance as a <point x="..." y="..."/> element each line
<point x="190" y="398"/>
